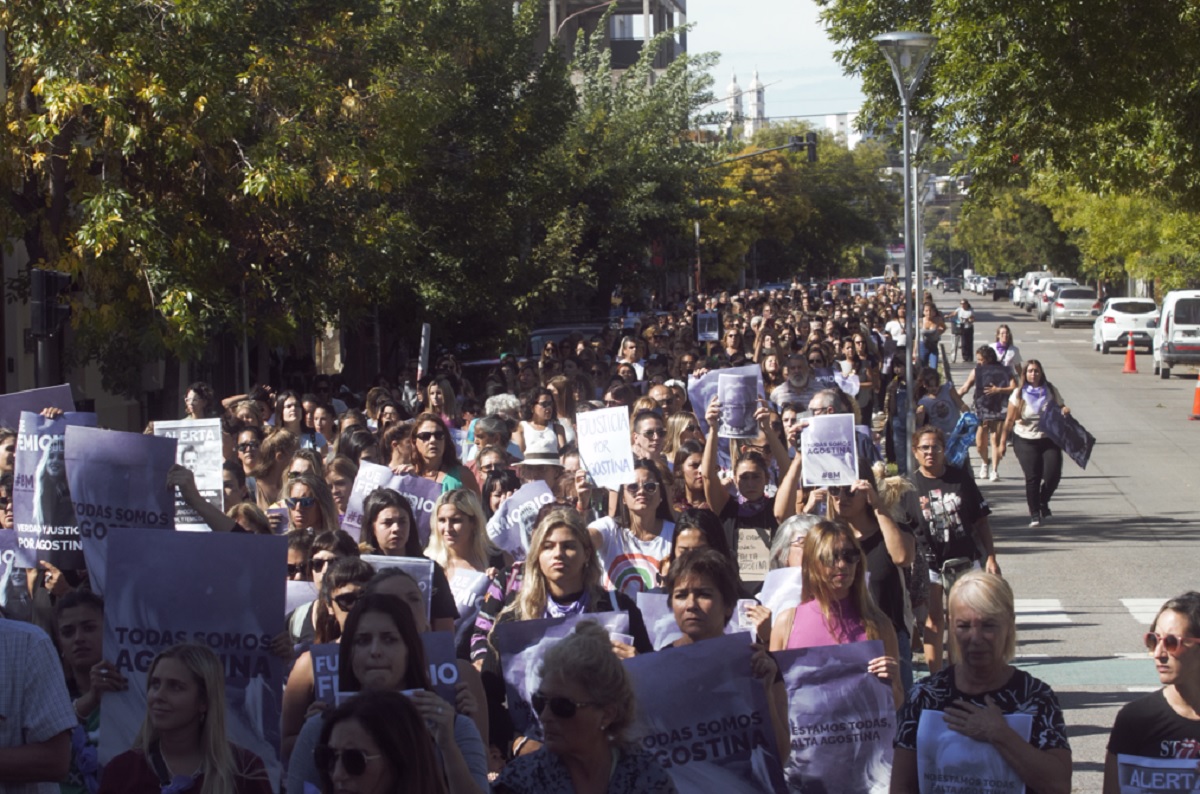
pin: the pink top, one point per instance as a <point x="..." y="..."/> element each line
<point x="810" y="630"/>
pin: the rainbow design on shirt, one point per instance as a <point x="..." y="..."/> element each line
<point x="633" y="573"/>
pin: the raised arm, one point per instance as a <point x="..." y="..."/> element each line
<point x="183" y="479"/>
<point x="785" y="497"/>
<point x="715" y="492"/>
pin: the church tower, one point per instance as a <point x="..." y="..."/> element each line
<point x="734" y="116"/>
<point x="757" y="117"/>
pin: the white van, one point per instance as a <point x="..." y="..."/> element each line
<point x="1177" y="335"/>
<point x="1024" y="288"/>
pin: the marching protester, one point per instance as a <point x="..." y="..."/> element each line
<point x="1041" y="459"/>
<point x="990" y="432"/>
<point x="974" y="694"/>
<point x="1165" y="723"/>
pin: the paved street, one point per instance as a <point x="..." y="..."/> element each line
<point x="1124" y="535"/>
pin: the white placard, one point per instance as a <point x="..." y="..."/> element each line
<point x="605" y="446"/>
<point x="830" y="451"/>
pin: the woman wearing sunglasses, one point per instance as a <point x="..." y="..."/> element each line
<point x="681" y="428"/>
<point x="539" y="421"/>
<point x="973" y="696"/>
<point x="835" y="606"/>
<point x="326" y="547"/>
<point x="1165" y="724"/>
<point x="377" y="745"/>
<point x="310" y="504"/>
<point x="341" y="587"/>
<point x="183" y="744"/>
<point x="381" y="652"/>
<point x="436" y="455"/>
<point x="633" y="544"/>
<point x="586" y="705"/>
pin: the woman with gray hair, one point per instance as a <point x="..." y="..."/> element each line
<point x="787" y="550"/>
<point x="586" y="705"/>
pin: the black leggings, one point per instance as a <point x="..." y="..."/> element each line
<point x="1041" y="460"/>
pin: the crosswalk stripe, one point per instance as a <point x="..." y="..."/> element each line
<point x="1040" y="612"/>
<point x="1144" y="610"/>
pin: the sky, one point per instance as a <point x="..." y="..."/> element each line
<point x="786" y="42"/>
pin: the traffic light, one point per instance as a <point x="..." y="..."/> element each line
<point x="810" y="140"/>
<point x="47" y="314"/>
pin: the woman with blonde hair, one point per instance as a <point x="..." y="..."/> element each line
<point x="310" y="504"/>
<point x="459" y="542"/>
<point x="682" y="426"/>
<point x="274" y="454"/>
<point x="835" y="606"/>
<point x="560" y="577"/>
<point x="183" y="741"/>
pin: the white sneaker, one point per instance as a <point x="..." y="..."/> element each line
<point x="983" y="470"/>
<point x="995" y="475"/>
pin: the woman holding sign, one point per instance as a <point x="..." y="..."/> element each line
<point x="183" y="743"/>
<point x="382" y="652"/>
<point x="835" y="606"/>
<point x="1013" y="719"/>
<point x="1039" y="456"/>
<point x="586" y="705"/>
<point x="1165" y="724"/>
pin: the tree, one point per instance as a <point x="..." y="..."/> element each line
<point x="1011" y="230"/>
<point x="201" y="167"/>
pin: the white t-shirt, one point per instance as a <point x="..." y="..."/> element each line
<point x="896" y="330"/>
<point x="631" y="565"/>
<point x="1029" y="423"/>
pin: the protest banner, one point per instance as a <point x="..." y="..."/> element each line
<point x="298" y="594"/>
<point x="1072" y="437"/>
<point x="199" y="449"/>
<point x="1138" y="775"/>
<point x="33" y="401"/>
<point x="221" y="590"/>
<point x="990" y="407"/>
<point x="439" y="658"/>
<point x="117" y="480"/>
<point x="701" y="390"/>
<point x="15" y="601"/>
<point x="605" y="448"/>
<point x="659" y="618"/>
<point x="826" y="378"/>
<point x="739" y="400"/>
<point x="522" y="645"/>
<point x="419" y="568"/>
<point x="781" y="589"/>
<point x="830" y="451"/>
<point x="370" y="476"/>
<point x="841" y="719"/>
<point x="512" y="525"/>
<point x="470" y="591"/>
<point x="43" y="511"/>
<point x="949" y="762"/>
<point x="705" y="718"/>
<point x="421" y="493"/>
<point x="708" y="327"/>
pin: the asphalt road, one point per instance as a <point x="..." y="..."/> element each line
<point x="1124" y="536"/>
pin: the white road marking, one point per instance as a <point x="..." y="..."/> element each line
<point x="1040" y="612"/>
<point x="1144" y="610"/>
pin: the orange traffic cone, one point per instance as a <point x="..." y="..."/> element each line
<point x="1196" y="403"/>
<point x="1130" y="358"/>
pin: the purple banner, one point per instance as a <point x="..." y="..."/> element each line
<point x="841" y="719"/>
<point x="325" y="672"/>
<point x="439" y="656"/>
<point x="117" y="480"/>
<point x="421" y="493"/>
<point x="705" y="717"/>
<point x="1072" y="437"/>
<point x="42" y="508"/>
<point x="419" y="568"/>
<point x="1139" y="775"/>
<point x="370" y="476"/>
<point x="522" y="645"/>
<point x="222" y="590"/>
<point x="701" y="390"/>
<point x="34" y="400"/>
<point x="298" y="594"/>
<point x="511" y="527"/>
<point x="199" y="449"/>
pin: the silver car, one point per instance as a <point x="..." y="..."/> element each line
<point x="1072" y="304"/>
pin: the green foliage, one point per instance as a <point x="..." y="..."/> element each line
<point x="1010" y="231"/>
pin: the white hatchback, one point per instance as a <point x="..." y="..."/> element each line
<point x="1121" y="317"/>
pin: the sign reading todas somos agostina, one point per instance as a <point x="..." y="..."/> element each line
<point x="221" y="590"/>
<point x="841" y="719"/>
<point x="42" y="508"/>
<point x="705" y="718"/>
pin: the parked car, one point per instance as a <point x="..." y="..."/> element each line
<point x="1043" y="293"/>
<point x="1024" y="294"/>
<point x="1177" y="336"/>
<point x="1001" y="286"/>
<point x="1074" y="305"/>
<point x="1121" y="317"/>
<point x="952" y="285"/>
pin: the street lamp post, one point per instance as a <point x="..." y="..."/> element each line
<point x="908" y="54"/>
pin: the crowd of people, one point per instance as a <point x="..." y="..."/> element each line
<point x="900" y="553"/>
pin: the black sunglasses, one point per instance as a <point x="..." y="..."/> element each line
<point x="247" y="447"/>
<point x="431" y="435"/>
<point x="848" y="556"/>
<point x="300" y="501"/>
<point x="296" y="569"/>
<point x="563" y="708"/>
<point x="318" y="564"/>
<point x="353" y="761"/>
<point x="346" y="601"/>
